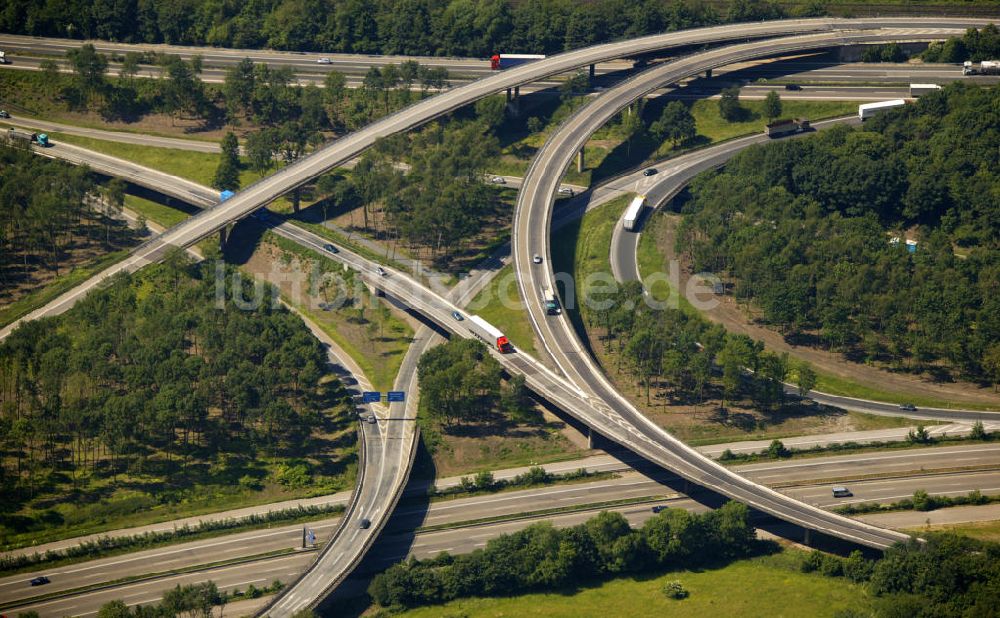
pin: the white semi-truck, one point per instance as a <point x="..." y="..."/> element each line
<point x="867" y="110"/>
<point x="630" y="219"/>
<point x="3" y="57"/>
<point x="986" y="67"/>
<point x="489" y="334"/>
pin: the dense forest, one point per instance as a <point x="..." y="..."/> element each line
<point x="47" y="208"/>
<point x="156" y="382"/>
<point x="412" y="27"/>
<point x="812" y="237"/>
<point x="949" y="575"/>
<point x="251" y="93"/>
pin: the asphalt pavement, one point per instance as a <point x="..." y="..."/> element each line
<point x="940" y="471"/>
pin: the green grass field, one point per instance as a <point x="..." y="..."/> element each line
<point x="154" y="211"/>
<point x="188" y="164"/>
<point x="715" y="128"/>
<point x="500" y="304"/>
<point x="983" y="530"/>
<point x="582" y="248"/>
<point x="769" y="587"/>
<point x="605" y="155"/>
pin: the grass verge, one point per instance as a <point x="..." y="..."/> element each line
<point x="154" y="211"/>
<point x="500" y="304"/>
<point x="765" y="586"/>
<point x="576" y="508"/>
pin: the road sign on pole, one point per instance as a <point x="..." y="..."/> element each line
<point x="397" y="395"/>
<point x="371" y="396"/>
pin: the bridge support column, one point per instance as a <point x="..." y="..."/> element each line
<point x="514" y="103"/>
<point x="509" y="91"/>
<point x="592" y="71"/>
<point x="223" y="237"/>
<point x="591" y="438"/>
<point x="807" y="537"/>
<point x="708" y="73"/>
<point x="579" y="161"/>
<point x="296" y="199"/>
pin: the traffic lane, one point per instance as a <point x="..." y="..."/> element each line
<point x="229" y="578"/>
<point x="358" y="63"/>
<point x="293" y="175"/>
<point x="118" y="136"/>
<point x="167" y="184"/>
<point x="892" y="490"/>
<point x="634" y="485"/>
<point x="890" y="409"/>
<point x="184" y="555"/>
<point x="315" y="76"/>
<point x="575" y="130"/>
<point x="880" y="463"/>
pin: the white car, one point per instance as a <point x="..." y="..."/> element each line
<point x="324" y="60"/>
<point x="566" y="191"/>
<point x="381" y="271"/>
<point x="498" y="180"/>
<point x="537" y="259"/>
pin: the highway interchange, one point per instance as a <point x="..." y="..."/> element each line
<point x="541" y="378"/>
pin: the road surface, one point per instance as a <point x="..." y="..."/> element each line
<point x="808" y="479"/>
<point x="618" y="419"/>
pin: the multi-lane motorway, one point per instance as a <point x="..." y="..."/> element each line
<point x="550" y="385"/>
<point x="940" y="471"/>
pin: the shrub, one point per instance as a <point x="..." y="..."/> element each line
<point x="675" y="590"/>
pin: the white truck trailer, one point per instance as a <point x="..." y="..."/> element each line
<point x="633" y="213"/>
<point x="917" y="90"/>
<point x="867" y="110"/>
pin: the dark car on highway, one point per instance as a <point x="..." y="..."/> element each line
<point x="41" y="580"/>
<point x="365" y="524"/>
<point x="649" y="172"/>
<point x="908" y="407"/>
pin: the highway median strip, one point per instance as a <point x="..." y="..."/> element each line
<point x="577" y="508"/>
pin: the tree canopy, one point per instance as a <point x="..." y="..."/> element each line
<point x="414" y="27"/>
<point x="805" y="230"/>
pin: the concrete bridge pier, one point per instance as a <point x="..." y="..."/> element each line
<point x="579" y="161"/>
<point x="592" y="70"/>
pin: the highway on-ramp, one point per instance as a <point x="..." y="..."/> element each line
<point x="617" y="418"/>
